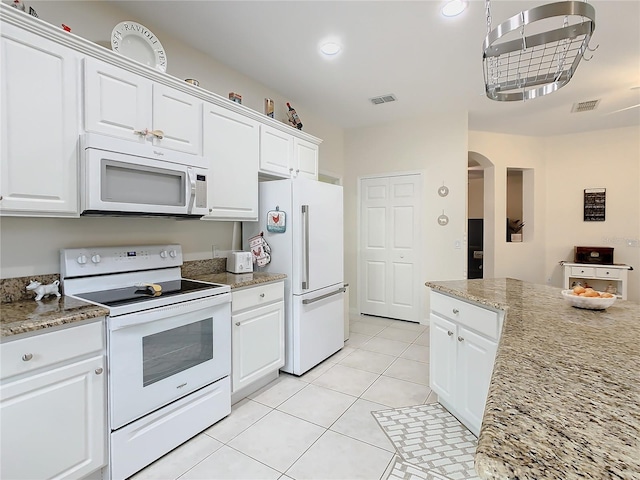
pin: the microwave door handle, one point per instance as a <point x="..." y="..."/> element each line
<point x="192" y="188"/>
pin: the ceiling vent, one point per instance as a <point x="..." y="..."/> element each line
<point x="585" y="106"/>
<point x="383" y="99"/>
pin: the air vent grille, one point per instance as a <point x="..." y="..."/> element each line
<point x="383" y="99"/>
<point x="585" y="106"/>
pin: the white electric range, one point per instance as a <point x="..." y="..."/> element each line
<point x="168" y="347"/>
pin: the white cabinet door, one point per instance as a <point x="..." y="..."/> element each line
<point x="257" y="339"/>
<point x="276" y="151"/>
<point x="179" y="116"/>
<point x="442" y="366"/>
<point x="40" y="126"/>
<point x="123" y="104"/>
<point x="231" y="143"/>
<point x="476" y="355"/>
<point x="116" y="102"/>
<point x="305" y="156"/>
<point x="54" y="423"/>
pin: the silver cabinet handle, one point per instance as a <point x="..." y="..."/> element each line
<point x="460" y="339"/>
<point x="237" y="324"/>
<point x="262" y="295"/>
<point x="449" y="332"/>
<point x="322" y="297"/>
<point x="26" y="357"/>
<point x="456" y="311"/>
<point x="99" y="371"/>
<point x="305" y="278"/>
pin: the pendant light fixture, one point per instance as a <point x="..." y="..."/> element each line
<point x="537" y="51"/>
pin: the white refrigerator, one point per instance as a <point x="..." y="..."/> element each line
<point x="310" y="252"/>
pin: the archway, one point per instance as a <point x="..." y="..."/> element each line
<point x="480" y="215"/>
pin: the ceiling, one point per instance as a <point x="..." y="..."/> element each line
<point x="432" y="64"/>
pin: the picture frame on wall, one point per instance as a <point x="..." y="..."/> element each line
<point x="595" y="204"/>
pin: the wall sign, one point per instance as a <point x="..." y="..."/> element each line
<point x="594" y="204"/>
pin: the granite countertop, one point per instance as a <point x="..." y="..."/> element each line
<point x="564" y="399"/>
<point x="25" y="316"/>
<point x="240" y="280"/>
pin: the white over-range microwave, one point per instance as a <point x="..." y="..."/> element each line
<point x="120" y="177"/>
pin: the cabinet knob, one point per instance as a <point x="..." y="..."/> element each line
<point x="456" y="311"/>
<point x="460" y="339"/>
<point x="449" y="332"/>
<point x="99" y="371"/>
<point x="262" y="295"/>
<point x="237" y="324"/>
<point x="26" y="357"/>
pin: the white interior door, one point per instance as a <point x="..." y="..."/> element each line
<point x="389" y="246"/>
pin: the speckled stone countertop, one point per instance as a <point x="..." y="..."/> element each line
<point x="564" y="399"/>
<point x="240" y="280"/>
<point x="26" y="316"/>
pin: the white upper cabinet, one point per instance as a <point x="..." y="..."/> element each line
<point x="285" y="155"/>
<point x="276" y="151"/>
<point x="40" y="126"/>
<point x="305" y="155"/>
<point x="129" y="106"/>
<point x="231" y="143"/>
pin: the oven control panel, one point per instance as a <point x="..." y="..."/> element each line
<point x="77" y="262"/>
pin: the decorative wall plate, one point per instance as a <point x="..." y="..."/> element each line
<point x="137" y="42"/>
<point x="443" y="220"/>
<point x="443" y="191"/>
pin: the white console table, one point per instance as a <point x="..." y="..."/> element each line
<point x="597" y="276"/>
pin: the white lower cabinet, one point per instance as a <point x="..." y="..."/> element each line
<point x="463" y="344"/>
<point x="53" y="416"/>
<point x="257" y="334"/>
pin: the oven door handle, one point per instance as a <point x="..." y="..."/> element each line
<point x="161" y="313"/>
<point x="191" y="174"/>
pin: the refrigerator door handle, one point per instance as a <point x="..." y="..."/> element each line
<point x="322" y="297"/>
<point x="305" y="262"/>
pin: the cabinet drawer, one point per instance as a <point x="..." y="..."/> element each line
<point x="583" y="271"/>
<point x="607" y="273"/>
<point x="477" y="318"/>
<point x="49" y="348"/>
<point x="256" y="296"/>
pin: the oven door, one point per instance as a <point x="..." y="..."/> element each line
<point x="160" y="355"/>
<point x="126" y="184"/>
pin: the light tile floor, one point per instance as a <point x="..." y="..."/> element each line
<point x="319" y="425"/>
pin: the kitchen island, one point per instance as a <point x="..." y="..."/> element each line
<point x="564" y="398"/>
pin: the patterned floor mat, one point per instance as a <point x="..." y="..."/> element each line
<point x="430" y="438"/>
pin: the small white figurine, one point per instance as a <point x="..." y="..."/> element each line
<point x="44" y="290"/>
<point x="19" y="5"/>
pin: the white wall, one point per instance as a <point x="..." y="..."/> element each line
<point x="563" y="166"/>
<point x="30" y="245"/>
<point x="436" y="146"/>
<point x="516" y="260"/>
<point x="608" y="159"/>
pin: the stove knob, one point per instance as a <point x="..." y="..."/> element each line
<point x="96" y="258"/>
<point x="173" y="254"/>
<point x="82" y="259"/>
<point x="163" y="254"/>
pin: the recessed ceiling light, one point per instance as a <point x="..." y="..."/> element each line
<point x="330" y="48"/>
<point x="454" y="8"/>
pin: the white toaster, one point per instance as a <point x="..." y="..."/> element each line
<point x="239" y="262"/>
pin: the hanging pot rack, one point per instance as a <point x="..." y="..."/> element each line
<point x="538" y="64"/>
